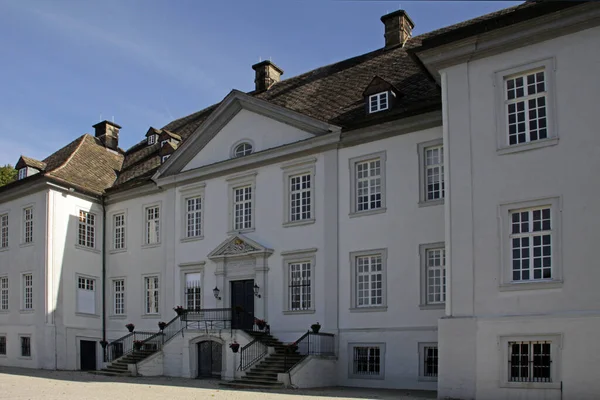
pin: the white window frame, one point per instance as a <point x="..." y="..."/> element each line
<point x="86" y="223"/>
<point x="354" y="307"/>
<point x="4" y="231"/>
<point x="151" y="139"/>
<point x="148" y="225"/>
<point x="146" y="292"/>
<point x="190" y="268"/>
<point x="556" y="343"/>
<point x="423" y="347"/>
<point x="548" y="65"/>
<point x="123" y="293"/>
<point x="197" y="303"/>
<point x="119" y="232"/>
<point x="22" y="173"/>
<point x="165" y="158"/>
<point x="298" y="257"/>
<point x="422" y="149"/>
<point x="424" y="250"/>
<point x="21" y="337"/>
<point x="351" y="368"/>
<point x="290" y="171"/>
<point x="163" y="142"/>
<point x="237" y="182"/>
<point x="90" y="284"/>
<point x="194" y="218"/>
<point x="3" y="336"/>
<point x="25" y="290"/>
<point x="185" y="193"/>
<point x="28" y="216"/>
<point x="352" y="164"/>
<point x="4" y="294"/>
<point x="504" y="218"/>
<point x="237" y="151"/>
<point x="376" y="102"/>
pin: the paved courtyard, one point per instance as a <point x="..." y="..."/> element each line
<point x="18" y="384"/>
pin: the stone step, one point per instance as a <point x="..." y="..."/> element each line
<point x="269" y="374"/>
<point x="258" y="382"/>
<point x="250" y="385"/>
<point x="112" y="367"/>
<point x="109" y="373"/>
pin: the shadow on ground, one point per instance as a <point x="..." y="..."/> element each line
<point x="213" y="385"/>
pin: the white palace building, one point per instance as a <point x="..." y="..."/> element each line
<point x="429" y="204"/>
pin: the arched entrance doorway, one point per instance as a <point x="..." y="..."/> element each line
<point x="210" y="359"/>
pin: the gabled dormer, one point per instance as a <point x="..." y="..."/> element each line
<point x="152" y="136"/>
<point x="166" y="150"/>
<point x="380" y="95"/>
<point x="28" y="167"/>
<point x="168" y="137"/>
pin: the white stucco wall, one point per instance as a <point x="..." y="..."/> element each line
<point x="481" y="178"/>
<point x="312" y="372"/>
<point x="151" y="366"/>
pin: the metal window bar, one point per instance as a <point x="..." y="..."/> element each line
<point x="367" y="361"/>
<point x="430" y="362"/>
<point x="25" y="347"/>
<point x="530" y="361"/>
<point x="3" y="345"/>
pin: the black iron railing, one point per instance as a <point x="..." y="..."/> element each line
<point x="309" y="344"/>
<point x="252" y="353"/>
<point x="208" y="318"/>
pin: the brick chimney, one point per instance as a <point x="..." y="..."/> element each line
<point x="267" y="74"/>
<point x="108" y="133"/>
<point x="398" y="28"/>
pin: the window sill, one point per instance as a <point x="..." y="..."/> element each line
<point x="25" y="358"/>
<point x="120" y="316"/>
<point x="4" y="249"/>
<point x="531" y="385"/>
<point x="26" y="244"/>
<point x="428" y="379"/>
<point x="290" y="224"/>
<point x="367" y="212"/>
<point x="80" y="314"/>
<point x="369" y="377"/>
<point x="509" y="287"/>
<point x="247" y="230"/>
<point x="150" y="245"/>
<point x="292" y="312"/>
<point x="2" y="355"/>
<point x="432" y="306"/>
<point x="85" y="248"/>
<point x="4" y="311"/>
<point x="430" y="203"/>
<point x="151" y="316"/>
<point x="517" y="148"/>
<point x="368" y="309"/>
<point x="26" y="311"/>
<point x="192" y="239"/>
<point x="117" y="251"/>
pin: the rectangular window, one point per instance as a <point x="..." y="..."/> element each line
<point x="430" y="361"/>
<point x="22" y="173"/>
<point x="529" y="361"/>
<point x="525" y="102"/>
<point x="86" y="295"/>
<point x="369" y="281"/>
<point x="300" y="197"/>
<point x="434" y="173"/>
<point x="194" y="217"/>
<point x="242" y="208"/>
<point x="193" y="297"/>
<point x="151" y="139"/>
<point x="300" y="290"/>
<point x="119" y="296"/>
<point x="151" y="295"/>
<point x="531" y="244"/>
<point x="87" y="229"/>
<point x="119" y="224"/>
<point x="28" y="225"/>
<point x="366" y="361"/>
<point x="378" y="102"/>
<point x="4" y="230"/>
<point x="2" y="345"/>
<point x="28" y="292"/>
<point x="368" y="185"/>
<point x="152" y="225"/>
<point x="4" y="293"/>
<point x="25" y="346"/>
<point x="436" y="275"/>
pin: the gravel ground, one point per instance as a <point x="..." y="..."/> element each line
<point x="20" y="384"/>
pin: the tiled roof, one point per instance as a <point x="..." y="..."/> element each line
<point x="30" y="162"/>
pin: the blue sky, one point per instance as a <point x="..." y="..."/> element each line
<point x="67" y="64"/>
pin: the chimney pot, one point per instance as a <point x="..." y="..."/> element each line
<point x="398" y="28"/>
<point x="267" y="74"/>
<point x="108" y="133"/>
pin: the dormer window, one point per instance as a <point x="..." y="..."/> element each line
<point x="151" y="139"/>
<point x="23" y="173"/>
<point x="165" y="158"/>
<point x="242" y="149"/>
<point x="163" y="143"/>
<point x="378" y="102"/>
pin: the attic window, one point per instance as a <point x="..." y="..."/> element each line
<point x="378" y="102"/>
<point x="164" y="142"/>
<point x="165" y="158"/>
<point x="23" y="173"/>
<point x="242" y="149"/>
<point x="151" y="139"/>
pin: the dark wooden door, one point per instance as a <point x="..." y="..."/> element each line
<point x="210" y="359"/>
<point x="242" y="295"/>
<point x="87" y="355"/>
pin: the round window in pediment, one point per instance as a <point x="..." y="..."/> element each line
<point x="242" y="149"/>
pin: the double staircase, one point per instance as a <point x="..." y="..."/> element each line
<point x="120" y="367"/>
<point x="264" y="373"/>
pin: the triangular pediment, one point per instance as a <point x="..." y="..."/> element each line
<point x="238" y="245"/>
<point x="379" y="85"/>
